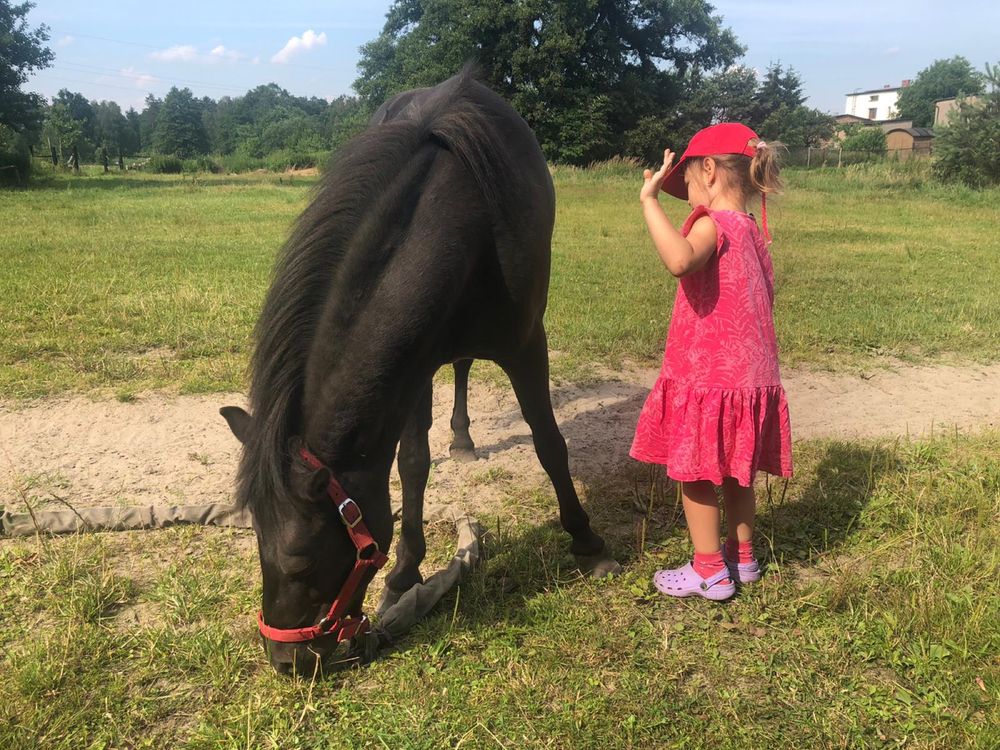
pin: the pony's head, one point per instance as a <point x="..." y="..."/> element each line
<point x="315" y="561"/>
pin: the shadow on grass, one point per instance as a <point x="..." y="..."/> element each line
<point x="799" y="524"/>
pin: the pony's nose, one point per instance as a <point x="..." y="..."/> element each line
<point x="300" y="662"/>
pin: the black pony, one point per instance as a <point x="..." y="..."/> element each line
<point x="427" y="243"/>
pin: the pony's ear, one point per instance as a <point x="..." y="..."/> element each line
<point x="310" y="483"/>
<point x="239" y="422"/>
<point x="318" y="483"/>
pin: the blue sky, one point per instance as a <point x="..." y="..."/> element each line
<point x="122" y="50"/>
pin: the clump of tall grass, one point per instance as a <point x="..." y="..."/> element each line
<point x="165" y="164"/>
<point x="613" y="168"/>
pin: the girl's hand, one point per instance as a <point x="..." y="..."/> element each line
<point x="651" y="180"/>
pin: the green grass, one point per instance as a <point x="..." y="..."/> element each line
<point x="123" y="283"/>
<point x="876" y="626"/>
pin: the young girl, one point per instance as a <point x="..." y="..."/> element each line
<point x="717" y="413"/>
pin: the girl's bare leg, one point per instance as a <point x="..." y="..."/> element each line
<point x="741" y="509"/>
<point x="701" y="509"/>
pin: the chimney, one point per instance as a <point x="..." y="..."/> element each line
<point x="906" y="83"/>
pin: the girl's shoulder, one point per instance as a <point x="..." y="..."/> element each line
<point x="736" y="225"/>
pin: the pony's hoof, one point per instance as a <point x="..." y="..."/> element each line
<point x="462" y="455"/>
<point x="598" y="566"/>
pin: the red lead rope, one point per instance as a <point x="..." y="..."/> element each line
<point x="370" y="558"/>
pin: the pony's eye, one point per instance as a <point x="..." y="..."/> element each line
<point x="297" y="565"/>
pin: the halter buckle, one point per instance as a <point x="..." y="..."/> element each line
<point x="350" y="513"/>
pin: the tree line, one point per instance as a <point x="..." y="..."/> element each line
<point x="593" y="79"/>
<point x="264" y="120"/>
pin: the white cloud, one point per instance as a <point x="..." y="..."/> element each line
<point x="223" y="53"/>
<point x="189" y="54"/>
<point x="140" y="80"/>
<point x="65" y="41"/>
<point x="178" y="53"/>
<point x="299" y="44"/>
<point x="891" y="51"/>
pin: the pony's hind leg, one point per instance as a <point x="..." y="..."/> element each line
<point x="462" y="448"/>
<point x="414" y="462"/>
<point x="529" y="374"/>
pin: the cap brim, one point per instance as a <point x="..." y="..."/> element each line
<point x="673" y="184"/>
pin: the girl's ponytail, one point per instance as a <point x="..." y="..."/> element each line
<point x="764" y="168"/>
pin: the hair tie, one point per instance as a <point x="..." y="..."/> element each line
<point x="761" y="144"/>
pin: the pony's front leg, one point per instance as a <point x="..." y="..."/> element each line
<point x="414" y="463"/>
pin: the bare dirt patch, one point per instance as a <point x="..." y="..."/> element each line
<point x="171" y="450"/>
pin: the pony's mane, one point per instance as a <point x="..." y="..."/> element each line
<point x="459" y="115"/>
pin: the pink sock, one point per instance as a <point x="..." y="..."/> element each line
<point x="741" y="552"/>
<point x="708" y="565"/>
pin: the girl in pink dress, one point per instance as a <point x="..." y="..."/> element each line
<point x="717" y="413"/>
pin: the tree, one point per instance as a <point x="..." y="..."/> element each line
<point x="968" y="149"/>
<point x="61" y="130"/>
<point x="22" y="50"/>
<point x="943" y="79"/>
<point x="583" y="73"/>
<point x="147" y="122"/>
<point x="180" y="130"/>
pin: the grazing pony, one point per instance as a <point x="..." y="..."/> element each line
<point x="426" y="243"/>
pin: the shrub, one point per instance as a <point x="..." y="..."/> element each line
<point x="162" y="164"/>
<point x="292" y="159"/>
<point x="15" y="166"/>
<point x="240" y="162"/>
<point x="202" y="164"/>
<point x="870" y="140"/>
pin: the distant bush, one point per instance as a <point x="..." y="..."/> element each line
<point x="15" y="166"/>
<point x="202" y="164"/>
<point x="292" y="159"/>
<point x="870" y="140"/>
<point x="240" y="162"/>
<point x="161" y="164"/>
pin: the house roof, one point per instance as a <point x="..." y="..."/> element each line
<point x="873" y="91"/>
<point x="915" y="132"/>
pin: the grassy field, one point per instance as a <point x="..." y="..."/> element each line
<point x="877" y="626"/>
<point x="125" y="283"/>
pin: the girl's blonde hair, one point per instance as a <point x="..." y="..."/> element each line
<point x="753" y="175"/>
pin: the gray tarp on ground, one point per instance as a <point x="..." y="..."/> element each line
<point x="121" y="519"/>
<point x="392" y="622"/>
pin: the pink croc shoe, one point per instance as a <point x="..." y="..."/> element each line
<point x="742" y="572"/>
<point x="685" y="581"/>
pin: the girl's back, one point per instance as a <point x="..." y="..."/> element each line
<point x="722" y="329"/>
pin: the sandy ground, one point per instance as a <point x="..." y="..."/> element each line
<point x="163" y="450"/>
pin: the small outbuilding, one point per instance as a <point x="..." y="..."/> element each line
<point x="904" y="143"/>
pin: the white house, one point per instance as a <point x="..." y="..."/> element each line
<point x="876" y="104"/>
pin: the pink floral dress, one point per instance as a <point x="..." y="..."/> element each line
<point x="718" y="408"/>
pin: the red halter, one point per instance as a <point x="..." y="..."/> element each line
<point x="370" y="558"/>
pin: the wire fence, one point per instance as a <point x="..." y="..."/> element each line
<point x="837" y="157"/>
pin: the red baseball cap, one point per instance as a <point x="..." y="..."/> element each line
<point x="724" y="138"/>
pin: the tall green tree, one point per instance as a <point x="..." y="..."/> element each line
<point x="942" y="79"/>
<point x="968" y="149"/>
<point x="61" y="130"/>
<point x="583" y="73"/>
<point x="22" y="50"/>
<point x="180" y="130"/>
<point x="83" y="113"/>
<point x="147" y="122"/>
